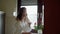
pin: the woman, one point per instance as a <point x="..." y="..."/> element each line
<point x="23" y="23"/>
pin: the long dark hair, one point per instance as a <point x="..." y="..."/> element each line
<point x="21" y="10"/>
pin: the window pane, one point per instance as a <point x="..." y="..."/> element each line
<point x="32" y="14"/>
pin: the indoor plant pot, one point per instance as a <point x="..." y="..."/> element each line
<point x="39" y="28"/>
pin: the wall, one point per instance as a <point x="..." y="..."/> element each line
<point x="9" y="6"/>
<point x="0" y="4"/>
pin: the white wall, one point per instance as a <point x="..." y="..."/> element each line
<point x="8" y="6"/>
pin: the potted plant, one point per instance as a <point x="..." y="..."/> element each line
<point x="39" y="28"/>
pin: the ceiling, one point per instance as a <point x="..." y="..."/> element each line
<point x="28" y="2"/>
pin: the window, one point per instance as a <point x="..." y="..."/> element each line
<point x="32" y="14"/>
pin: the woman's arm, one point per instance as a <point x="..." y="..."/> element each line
<point x="28" y="21"/>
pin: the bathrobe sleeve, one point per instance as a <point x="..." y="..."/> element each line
<point x="28" y="21"/>
<point x="18" y="28"/>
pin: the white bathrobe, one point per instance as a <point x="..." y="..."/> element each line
<point x="22" y="26"/>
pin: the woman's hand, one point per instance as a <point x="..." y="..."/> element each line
<point x="29" y="24"/>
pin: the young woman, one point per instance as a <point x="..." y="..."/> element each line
<point x="23" y="23"/>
